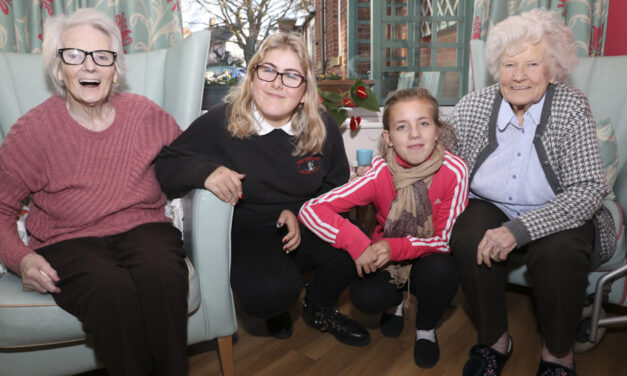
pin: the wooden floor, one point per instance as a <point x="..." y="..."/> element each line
<point x="309" y="352"/>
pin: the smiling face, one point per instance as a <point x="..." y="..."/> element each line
<point x="275" y="101"/>
<point x="524" y="77"/>
<point x="87" y="84"/>
<point x="413" y="132"/>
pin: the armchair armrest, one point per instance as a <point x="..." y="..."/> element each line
<point x="207" y="235"/>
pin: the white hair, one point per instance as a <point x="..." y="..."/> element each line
<point x="55" y="27"/>
<point x="535" y="26"/>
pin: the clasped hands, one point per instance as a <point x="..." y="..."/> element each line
<point x="495" y="246"/>
<point x="374" y="257"/>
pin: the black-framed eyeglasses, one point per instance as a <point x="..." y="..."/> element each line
<point x="76" y="56"/>
<point x="289" y="79"/>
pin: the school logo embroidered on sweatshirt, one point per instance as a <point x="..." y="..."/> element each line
<point x="308" y="165"/>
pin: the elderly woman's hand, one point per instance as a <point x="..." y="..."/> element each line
<point x="496" y="245"/>
<point x="291" y="240"/>
<point x="37" y="274"/>
<point x="226" y="184"/>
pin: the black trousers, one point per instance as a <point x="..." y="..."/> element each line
<point x="557" y="271"/>
<point x="130" y="292"/>
<point x="433" y="279"/>
<point x="267" y="281"/>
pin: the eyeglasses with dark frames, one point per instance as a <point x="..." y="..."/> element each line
<point x="76" y="56"/>
<point x="289" y="79"/>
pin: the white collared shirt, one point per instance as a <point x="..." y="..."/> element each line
<point x="263" y="127"/>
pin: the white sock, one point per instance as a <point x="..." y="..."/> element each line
<point x="429" y="335"/>
<point x="395" y="311"/>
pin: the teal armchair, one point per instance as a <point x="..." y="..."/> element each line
<point x="36" y="336"/>
<point x="602" y="80"/>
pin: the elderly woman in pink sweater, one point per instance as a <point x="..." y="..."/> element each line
<point x="100" y="242"/>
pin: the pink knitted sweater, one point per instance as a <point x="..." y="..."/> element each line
<point x="82" y="183"/>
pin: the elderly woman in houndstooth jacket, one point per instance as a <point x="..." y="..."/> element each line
<point x="536" y="186"/>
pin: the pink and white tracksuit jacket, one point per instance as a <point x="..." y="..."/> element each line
<point x="448" y="194"/>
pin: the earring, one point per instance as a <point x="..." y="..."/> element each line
<point x="115" y="80"/>
<point x="59" y="76"/>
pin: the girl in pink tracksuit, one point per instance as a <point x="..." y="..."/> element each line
<point x="418" y="189"/>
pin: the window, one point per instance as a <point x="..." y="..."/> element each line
<point x="428" y="38"/>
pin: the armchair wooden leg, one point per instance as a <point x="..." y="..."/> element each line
<point x="225" y="350"/>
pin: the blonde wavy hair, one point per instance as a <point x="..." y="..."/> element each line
<point x="447" y="135"/>
<point x="308" y="127"/>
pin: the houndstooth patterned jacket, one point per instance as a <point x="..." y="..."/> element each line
<point x="568" y="151"/>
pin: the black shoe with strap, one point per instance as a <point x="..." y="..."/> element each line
<point x="328" y="319"/>
<point x="485" y="361"/>
<point x="554" y="369"/>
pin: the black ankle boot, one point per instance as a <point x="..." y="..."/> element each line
<point x="280" y="326"/>
<point x="328" y="319"/>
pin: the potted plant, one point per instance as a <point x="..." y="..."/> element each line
<point x="346" y="93"/>
<point x="334" y="83"/>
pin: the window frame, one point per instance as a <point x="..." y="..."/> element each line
<point x="380" y="71"/>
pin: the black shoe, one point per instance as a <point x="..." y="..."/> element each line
<point x="485" y="361"/>
<point x="554" y="369"/>
<point x="327" y="319"/>
<point x="426" y="353"/>
<point x="391" y="325"/>
<point x="280" y="326"/>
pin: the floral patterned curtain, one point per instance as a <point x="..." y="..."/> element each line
<point x="587" y="19"/>
<point x="144" y="24"/>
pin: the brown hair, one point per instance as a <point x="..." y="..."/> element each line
<point x="447" y="135"/>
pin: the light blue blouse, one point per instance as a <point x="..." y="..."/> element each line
<point x="512" y="177"/>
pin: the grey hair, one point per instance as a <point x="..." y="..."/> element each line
<point x="534" y="26"/>
<point x="55" y="27"/>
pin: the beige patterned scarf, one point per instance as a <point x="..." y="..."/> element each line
<point x="410" y="212"/>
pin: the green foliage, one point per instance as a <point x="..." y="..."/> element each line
<point x="332" y="102"/>
<point x="369" y="102"/>
<point x="335" y="103"/>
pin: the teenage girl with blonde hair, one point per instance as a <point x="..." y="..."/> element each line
<point x="267" y="151"/>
